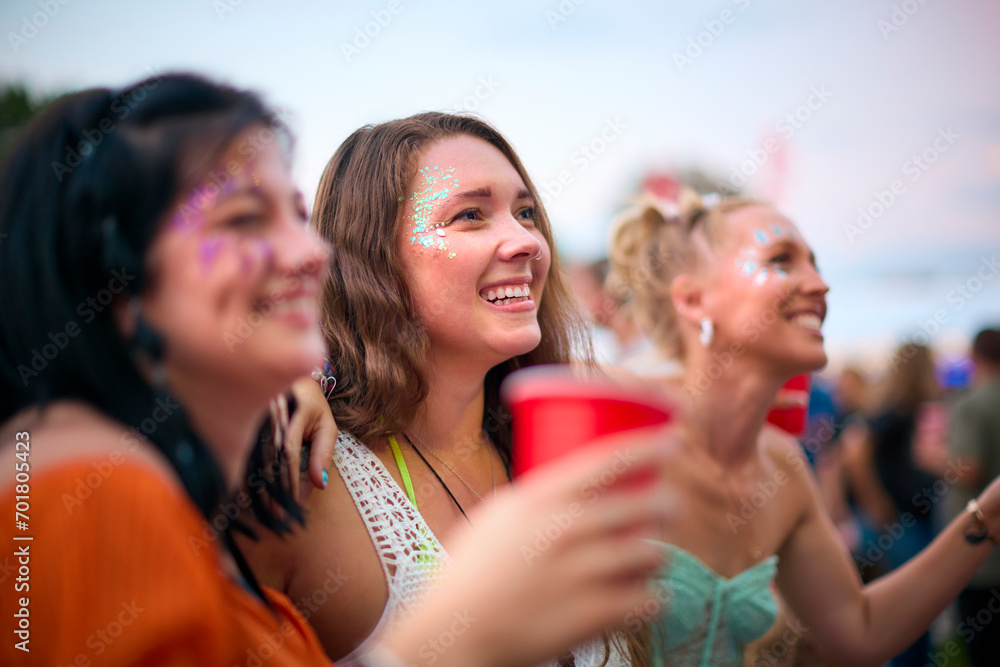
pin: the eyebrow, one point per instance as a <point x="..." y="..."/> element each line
<point x="777" y="243"/>
<point x="487" y="192"/>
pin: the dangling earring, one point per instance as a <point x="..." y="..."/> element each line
<point x="539" y="255"/>
<point x="707" y="332"/>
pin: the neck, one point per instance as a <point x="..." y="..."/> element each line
<point x="727" y="414"/>
<point x="225" y="419"/>
<point x="452" y="414"/>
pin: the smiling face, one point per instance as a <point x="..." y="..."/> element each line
<point x="234" y="274"/>
<point x="765" y="291"/>
<point x="468" y="243"/>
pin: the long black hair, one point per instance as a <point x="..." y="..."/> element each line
<point x="81" y="196"/>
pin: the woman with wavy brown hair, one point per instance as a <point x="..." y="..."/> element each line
<point x="445" y="281"/>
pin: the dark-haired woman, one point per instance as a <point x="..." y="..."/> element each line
<point x="157" y="292"/>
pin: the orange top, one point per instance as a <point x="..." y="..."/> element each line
<point x="122" y="569"/>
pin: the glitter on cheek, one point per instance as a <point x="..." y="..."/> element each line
<point x="436" y="188"/>
<point x="750" y="267"/>
<point x="760" y="236"/>
<point x="254" y="252"/>
<point x="210" y="249"/>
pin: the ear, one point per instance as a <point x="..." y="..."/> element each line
<point x="686" y="292"/>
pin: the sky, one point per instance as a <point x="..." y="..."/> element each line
<point x="874" y="125"/>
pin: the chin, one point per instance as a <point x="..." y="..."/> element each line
<point x="514" y="346"/>
<point x="810" y="363"/>
<point x="290" y="357"/>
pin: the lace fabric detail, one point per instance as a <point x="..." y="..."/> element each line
<point x="410" y="555"/>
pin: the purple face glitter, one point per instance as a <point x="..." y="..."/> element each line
<point x="210" y="249"/>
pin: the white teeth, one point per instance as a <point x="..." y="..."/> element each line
<point x="290" y="305"/>
<point x="504" y="295"/>
<point x="807" y="321"/>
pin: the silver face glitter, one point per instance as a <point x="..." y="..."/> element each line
<point x="437" y="184"/>
<point x="749" y="262"/>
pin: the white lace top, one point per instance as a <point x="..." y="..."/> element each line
<point x="410" y="554"/>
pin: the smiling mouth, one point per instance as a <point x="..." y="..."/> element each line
<point x="506" y="294"/>
<point x="806" y="321"/>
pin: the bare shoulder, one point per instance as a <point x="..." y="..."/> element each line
<point x="333" y="534"/>
<point x="787" y="459"/>
<point x="329" y="568"/>
<point x="782" y="450"/>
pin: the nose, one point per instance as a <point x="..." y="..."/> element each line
<point x="518" y="242"/>
<point x="813" y="283"/>
<point x="299" y="250"/>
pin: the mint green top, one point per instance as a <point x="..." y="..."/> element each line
<point x="710" y="619"/>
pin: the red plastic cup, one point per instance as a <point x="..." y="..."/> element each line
<point x="792" y="418"/>
<point x="554" y="412"/>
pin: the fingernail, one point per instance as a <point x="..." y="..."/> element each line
<point x="326" y="478"/>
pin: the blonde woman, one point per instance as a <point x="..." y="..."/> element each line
<point x="734" y="290"/>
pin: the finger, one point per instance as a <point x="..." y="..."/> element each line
<point x="323" y="436"/>
<point x="293" y="448"/>
<point x="596" y="602"/>
<point x="637" y="513"/>
<point x="605" y="460"/>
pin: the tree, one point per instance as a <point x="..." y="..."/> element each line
<point x="17" y="108"/>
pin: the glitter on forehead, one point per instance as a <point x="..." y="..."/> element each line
<point x="761" y="236"/>
<point x="436" y="188"/>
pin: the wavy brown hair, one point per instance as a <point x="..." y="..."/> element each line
<point x="376" y="342"/>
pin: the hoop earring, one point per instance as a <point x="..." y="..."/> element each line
<point x="707" y="332"/>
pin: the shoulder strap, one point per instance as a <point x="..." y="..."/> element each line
<point x="403" y="471"/>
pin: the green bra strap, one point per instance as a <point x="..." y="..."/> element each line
<point x="403" y="472"/>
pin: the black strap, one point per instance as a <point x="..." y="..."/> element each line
<point x="450" y="494"/>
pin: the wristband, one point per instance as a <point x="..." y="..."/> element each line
<point x="984" y="533"/>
